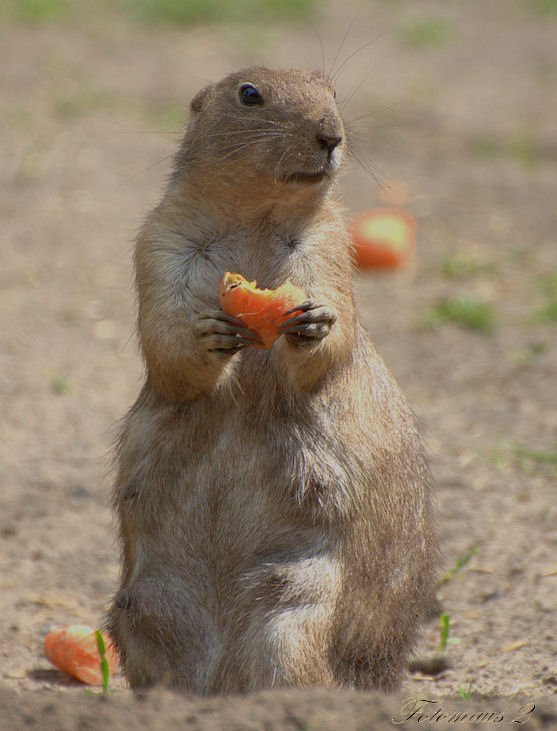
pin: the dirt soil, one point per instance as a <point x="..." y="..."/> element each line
<point x="459" y="100"/>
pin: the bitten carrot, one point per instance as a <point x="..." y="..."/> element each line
<point x="383" y="238"/>
<point x="74" y="650"/>
<point x="262" y="310"/>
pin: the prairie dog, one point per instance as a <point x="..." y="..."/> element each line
<point x="275" y="505"/>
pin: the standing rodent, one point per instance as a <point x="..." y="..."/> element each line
<point x="274" y="505"/>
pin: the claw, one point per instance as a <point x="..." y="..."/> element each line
<point x="291" y="331"/>
<point x="226" y="351"/>
<point x="305" y="306"/>
<point x="233" y="320"/>
<point x="327" y="318"/>
<point x="310" y="325"/>
<point x="249" y="340"/>
<point x="297" y="320"/>
<point x="309" y="331"/>
<point x="247" y="334"/>
<point x="221" y="316"/>
<point x="217" y="324"/>
<point x="228" y="342"/>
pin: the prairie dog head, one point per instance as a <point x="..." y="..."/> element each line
<point x="264" y="132"/>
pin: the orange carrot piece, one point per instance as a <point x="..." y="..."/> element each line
<point x="383" y="238"/>
<point x="262" y="310"/>
<point x="74" y="650"/>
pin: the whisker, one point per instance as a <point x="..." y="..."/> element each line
<point x="240" y="143"/>
<point x="376" y="173"/>
<point x="314" y="27"/>
<point x="262" y="133"/>
<point x="239" y="148"/>
<point x="374" y="112"/>
<point x="248" y="118"/>
<point x="345" y="102"/>
<point x="370" y="131"/>
<point x="329" y="75"/>
<point x="361" y="48"/>
<point x="277" y="166"/>
<point x="149" y="132"/>
<point x="150" y="167"/>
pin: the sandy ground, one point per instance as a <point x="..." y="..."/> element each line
<point x="465" y="115"/>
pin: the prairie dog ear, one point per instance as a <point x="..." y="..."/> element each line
<point x="196" y="104"/>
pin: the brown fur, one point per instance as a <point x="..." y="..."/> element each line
<point x="274" y="506"/>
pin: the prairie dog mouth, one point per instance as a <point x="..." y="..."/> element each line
<point x="303" y="177"/>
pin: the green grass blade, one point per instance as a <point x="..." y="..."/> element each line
<point x="536" y="455"/>
<point x="445" y="632"/>
<point x="466" y="694"/>
<point x="105" y="670"/>
<point x="459" y="564"/>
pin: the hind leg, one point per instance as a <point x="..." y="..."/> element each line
<point x="160" y="636"/>
<point x="135" y="625"/>
<point x="282" y="632"/>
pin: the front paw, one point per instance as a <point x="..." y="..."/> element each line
<point x="222" y="334"/>
<point x="310" y="326"/>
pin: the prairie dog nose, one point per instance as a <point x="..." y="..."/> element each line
<point x="328" y="142"/>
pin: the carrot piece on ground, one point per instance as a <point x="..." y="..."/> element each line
<point x="74" y="650"/>
<point x="262" y="310"/>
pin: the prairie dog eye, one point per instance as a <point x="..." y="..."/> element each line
<point x="250" y="95"/>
